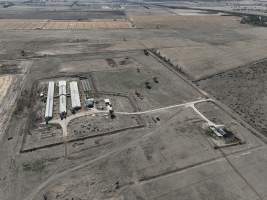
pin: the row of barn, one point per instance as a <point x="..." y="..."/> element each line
<point x="62" y="91"/>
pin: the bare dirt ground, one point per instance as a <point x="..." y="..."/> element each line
<point x="6" y="99"/>
<point x="63" y="15"/>
<point x="55" y="25"/>
<point x="11" y="79"/>
<point x="157" y="161"/>
<point x="198" y="61"/>
<point x="181" y="22"/>
<point x="5" y="82"/>
<point x="244" y="90"/>
<point x="170" y="156"/>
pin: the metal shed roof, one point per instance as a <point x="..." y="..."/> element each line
<point x="49" y="100"/>
<point x="86" y="85"/>
<point x="62" y="96"/>
<point x="75" y="96"/>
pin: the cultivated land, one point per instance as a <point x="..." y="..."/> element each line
<point x="201" y="69"/>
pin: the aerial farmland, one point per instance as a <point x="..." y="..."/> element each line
<point x="105" y="100"/>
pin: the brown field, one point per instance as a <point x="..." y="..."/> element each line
<point x="55" y="25"/>
<point x="5" y="82"/>
<point x="200" y="70"/>
<point x="185" y="22"/>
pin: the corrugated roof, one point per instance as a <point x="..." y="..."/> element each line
<point x="86" y="85"/>
<point x="49" y="100"/>
<point x="62" y="96"/>
<point x="75" y="96"/>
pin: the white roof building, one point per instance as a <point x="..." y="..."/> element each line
<point x="107" y="101"/>
<point x="109" y="108"/>
<point x="49" y="101"/>
<point x="62" y="97"/>
<point x="75" y="96"/>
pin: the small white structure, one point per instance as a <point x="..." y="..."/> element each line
<point x="49" y="101"/>
<point x="62" y="98"/>
<point x="107" y="102"/>
<point x="109" y="108"/>
<point x="75" y="96"/>
<point x="111" y="111"/>
<point x="218" y="130"/>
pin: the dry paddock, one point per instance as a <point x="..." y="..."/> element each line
<point x="6" y="99"/>
<point x="54" y="25"/>
<point x="185" y="22"/>
<point x="5" y="82"/>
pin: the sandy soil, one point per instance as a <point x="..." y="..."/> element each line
<point x="46" y="24"/>
<point x="244" y="90"/>
<point x="185" y="22"/>
<point x="5" y="82"/>
<point x="6" y="99"/>
<point x="170" y="158"/>
<point x="202" y="60"/>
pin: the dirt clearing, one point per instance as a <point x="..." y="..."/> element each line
<point x="5" y="82"/>
<point x="60" y="25"/>
<point x="244" y="90"/>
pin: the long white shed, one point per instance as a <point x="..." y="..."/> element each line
<point x="49" y="101"/>
<point x="62" y="97"/>
<point x="75" y="96"/>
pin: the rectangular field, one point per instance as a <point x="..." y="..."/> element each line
<point x="5" y="82"/>
<point x="210" y="22"/>
<point x="61" y="25"/>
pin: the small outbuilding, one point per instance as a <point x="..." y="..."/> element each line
<point x="89" y="103"/>
<point x="107" y="102"/>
